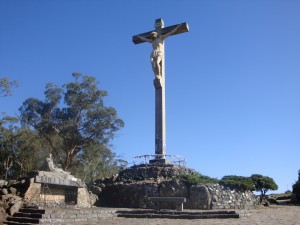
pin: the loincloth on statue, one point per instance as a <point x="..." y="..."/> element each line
<point x="157" y="53"/>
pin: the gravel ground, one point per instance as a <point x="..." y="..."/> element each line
<point x="273" y="215"/>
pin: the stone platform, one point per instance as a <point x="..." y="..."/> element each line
<point x="154" y="171"/>
<point x="285" y="215"/>
<point x="133" y="186"/>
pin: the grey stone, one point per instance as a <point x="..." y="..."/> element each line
<point x="15" y="208"/>
<point x="3" y="191"/>
<point x="13" y="190"/>
<point x="3" y="183"/>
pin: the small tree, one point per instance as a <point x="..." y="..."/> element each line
<point x="263" y="184"/>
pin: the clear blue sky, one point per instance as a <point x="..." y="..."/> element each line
<point x="233" y="81"/>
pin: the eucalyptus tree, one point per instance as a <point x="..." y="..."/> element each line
<point x="6" y="85"/>
<point x="72" y="118"/>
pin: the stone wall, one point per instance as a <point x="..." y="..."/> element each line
<point x="214" y="196"/>
<point x="225" y="198"/>
<point x="75" y="216"/>
<point x="153" y="171"/>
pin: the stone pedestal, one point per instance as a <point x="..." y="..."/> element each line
<point x="159" y="161"/>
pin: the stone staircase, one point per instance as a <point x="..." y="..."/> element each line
<point x="168" y="214"/>
<point x="25" y="216"/>
<point x="33" y="215"/>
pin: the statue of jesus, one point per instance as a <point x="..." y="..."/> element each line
<point x="157" y="53"/>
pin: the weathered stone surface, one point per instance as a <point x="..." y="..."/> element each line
<point x="85" y="199"/>
<point x="173" y="188"/>
<point x="11" y="182"/>
<point x="1" y="215"/>
<point x="3" y="191"/>
<point x="132" y="195"/>
<point x="128" y="191"/>
<point x="5" y="198"/>
<point x="3" y="183"/>
<point x="13" y="190"/>
<point x="199" y="197"/>
<point x="148" y="171"/>
<point x="51" y="178"/>
<point x="15" y="208"/>
<point x="32" y="193"/>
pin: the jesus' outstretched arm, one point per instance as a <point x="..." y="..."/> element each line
<point x="171" y="32"/>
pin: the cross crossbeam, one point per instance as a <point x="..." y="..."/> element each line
<point x="184" y="27"/>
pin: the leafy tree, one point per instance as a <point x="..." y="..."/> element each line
<point x="237" y="182"/>
<point x="73" y="119"/>
<point x="263" y="184"/>
<point x="98" y="162"/>
<point x="19" y="149"/>
<point x="296" y="187"/>
<point x="6" y="86"/>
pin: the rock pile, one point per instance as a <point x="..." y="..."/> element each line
<point x="11" y="193"/>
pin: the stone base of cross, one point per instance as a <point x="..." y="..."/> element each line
<point x="159" y="161"/>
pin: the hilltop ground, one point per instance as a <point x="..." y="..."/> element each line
<point x="273" y="215"/>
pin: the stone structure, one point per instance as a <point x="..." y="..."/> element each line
<point x="156" y="38"/>
<point x="55" y="187"/>
<point x="207" y="196"/>
<point x="132" y="187"/>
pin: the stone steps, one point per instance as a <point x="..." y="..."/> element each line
<point x="26" y="216"/>
<point x="178" y="215"/>
<point x="94" y="215"/>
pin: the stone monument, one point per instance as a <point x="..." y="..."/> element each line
<point x="53" y="186"/>
<point x="156" y="38"/>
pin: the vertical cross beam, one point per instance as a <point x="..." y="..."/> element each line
<point x="159" y="83"/>
<point x="160" y="105"/>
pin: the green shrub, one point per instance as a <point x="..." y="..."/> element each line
<point x="237" y="182"/>
<point x="196" y="178"/>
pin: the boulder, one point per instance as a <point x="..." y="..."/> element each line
<point x="13" y="190"/>
<point x="11" y="182"/>
<point x="200" y="197"/>
<point x="3" y="183"/>
<point x="85" y="199"/>
<point x="3" y="191"/>
<point x="15" y="208"/>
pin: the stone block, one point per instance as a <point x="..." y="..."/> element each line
<point x="57" y="216"/>
<point x="3" y="191"/>
<point x="3" y="183"/>
<point x="57" y="221"/>
<point x="80" y="219"/>
<point x="15" y="208"/>
<point x="70" y="216"/>
<point x="93" y="219"/>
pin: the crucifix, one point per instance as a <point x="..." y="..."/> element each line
<point x="156" y="38"/>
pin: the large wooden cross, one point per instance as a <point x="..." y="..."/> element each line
<point x="159" y="84"/>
